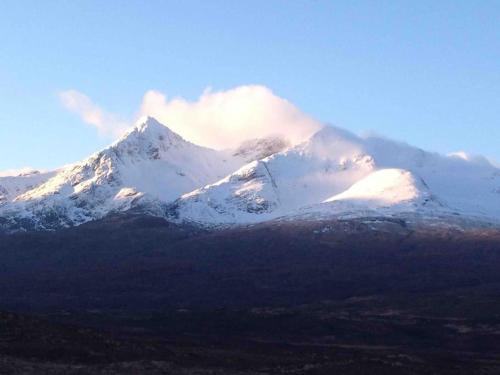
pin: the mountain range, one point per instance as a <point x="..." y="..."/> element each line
<point x="332" y="174"/>
<point x="338" y="254"/>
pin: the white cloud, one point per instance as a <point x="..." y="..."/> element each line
<point x="224" y="119"/>
<point x="106" y="123"/>
<point x="221" y="119"/>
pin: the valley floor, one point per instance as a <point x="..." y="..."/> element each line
<point x="371" y="335"/>
<point x="137" y="295"/>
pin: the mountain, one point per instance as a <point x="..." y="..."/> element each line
<point x="337" y="172"/>
<point x="148" y="165"/>
<point x="334" y="173"/>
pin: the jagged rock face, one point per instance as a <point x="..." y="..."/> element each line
<point x="249" y="191"/>
<point x="260" y="148"/>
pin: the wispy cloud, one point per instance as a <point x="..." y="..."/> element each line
<point x="107" y="124"/>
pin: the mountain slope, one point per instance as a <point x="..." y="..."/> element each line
<point x="468" y="185"/>
<point x="385" y="194"/>
<point x="385" y="187"/>
<point x="14" y="185"/>
<point x="305" y="174"/>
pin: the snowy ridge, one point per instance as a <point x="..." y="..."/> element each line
<point x="15" y="184"/>
<point x="247" y="195"/>
<point x="334" y="173"/>
<point x="281" y="183"/>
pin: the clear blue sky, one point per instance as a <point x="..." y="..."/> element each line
<point x="426" y="72"/>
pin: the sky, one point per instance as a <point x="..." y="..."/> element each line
<point x="74" y="74"/>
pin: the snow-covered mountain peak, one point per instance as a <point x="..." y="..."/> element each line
<point x="152" y="128"/>
<point x="148" y="139"/>
<point x="149" y="166"/>
<point x="329" y="134"/>
<point x="333" y="143"/>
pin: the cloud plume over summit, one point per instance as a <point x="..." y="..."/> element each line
<point x="217" y="119"/>
<point x="224" y="119"/>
